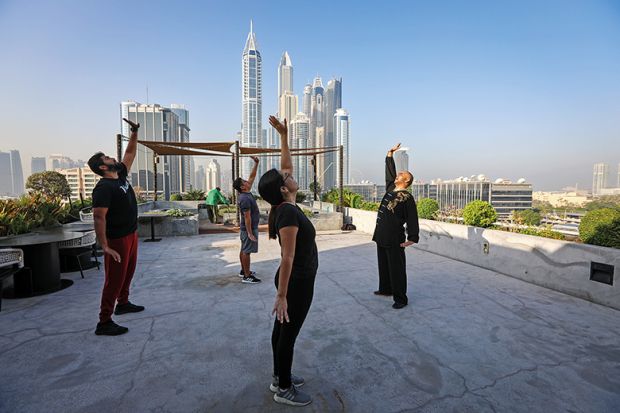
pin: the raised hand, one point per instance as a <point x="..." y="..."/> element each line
<point x="395" y="148"/>
<point x="255" y="159"/>
<point x="134" y="126"/>
<point x="282" y="128"/>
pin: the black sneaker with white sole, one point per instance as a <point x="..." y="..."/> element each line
<point x="241" y="274"/>
<point x="250" y="280"/>
<point x="275" y="382"/>
<point x="292" y="396"/>
<point x="110" y="328"/>
<point x="127" y="308"/>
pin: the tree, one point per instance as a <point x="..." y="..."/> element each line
<point x="300" y="197"/>
<point x="479" y="214"/>
<point x="427" y="208"/>
<point x="527" y="217"/>
<point x="601" y="227"/>
<point x="318" y="188"/>
<point x="49" y="183"/>
<point x="606" y="201"/>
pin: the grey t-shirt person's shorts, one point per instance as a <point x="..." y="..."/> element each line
<point x="247" y="245"/>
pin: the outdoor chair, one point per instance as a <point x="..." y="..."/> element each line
<point x="11" y="261"/>
<point x="80" y="247"/>
<point x="86" y="215"/>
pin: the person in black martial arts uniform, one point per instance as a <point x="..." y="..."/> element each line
<point x="397" y="209"/>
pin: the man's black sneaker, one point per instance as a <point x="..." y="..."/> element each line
<point x="128" y="308"/>
<point x="382" y="293"/>
<point x="110" y="328"/>
<point x="398" y="306"/>
<point x="250" y="280"/>
<point x="241" y="274"/>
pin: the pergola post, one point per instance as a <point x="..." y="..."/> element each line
<point x="315" y="179"/>
<point x="237" y="172"/>
<point x="155" y="160"/>
<point x="341" y="176"/>
<point x="119" y="147"/>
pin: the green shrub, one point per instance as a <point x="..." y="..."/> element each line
<point x="479" y="214"/>
<point x="176" y="197"/>
<point x="35" y="210"/>
<point x="527" y="217"/>
<point x="176" y="212"/>
<point x="542" y="232"/>
<point x="194" y="195"/>
<point x="601" y="227"/>
<point x="427" y="208"/>
<point x="370" y="206"/>
<point x="301" y="197"/>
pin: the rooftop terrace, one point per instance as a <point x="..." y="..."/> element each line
<point x="470" y="340"/>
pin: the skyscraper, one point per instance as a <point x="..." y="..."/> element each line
<point x="285" y="75"/>
<point x="600" y="177"/>
<point x="342" y="132"/>
<point x="300" y="135"/>
<point x="401" y="159"/>
<point x="159" y="124"/>
<point x="213" y="175"/>
<point x="332" y="102"/>
<point x="184" y="161"/>
<point x="252" y="97"/>
<point x="6" y="179"/>
<point x="307" y="101"/>
<point x="37" y="165"/>
<point x="287" y="100"/>
<point x="200" y="178"/>
<point x="17" y="173"/>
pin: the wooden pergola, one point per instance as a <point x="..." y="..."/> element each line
<point x="235" y="152"/>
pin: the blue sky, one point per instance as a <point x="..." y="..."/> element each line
<point x="510" y="89"/>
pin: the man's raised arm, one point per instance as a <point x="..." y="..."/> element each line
<point x="390" y="169"/>
<point x="130" y="152"/>
<point x="253" y="173"/>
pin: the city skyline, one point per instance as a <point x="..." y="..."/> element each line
<point x="535" y="82"/>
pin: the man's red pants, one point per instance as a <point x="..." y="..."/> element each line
<point x="118" y="275"/>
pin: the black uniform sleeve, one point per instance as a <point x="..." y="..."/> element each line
<point x="413" y="226"/>
<point x="287" y="217"/>
<point x="390" y="173"/>
<point x="102" y="196"/>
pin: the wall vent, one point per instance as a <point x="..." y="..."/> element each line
<point x="602" y="273"/>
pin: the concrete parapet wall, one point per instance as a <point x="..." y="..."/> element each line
<point x="558" y="265"/>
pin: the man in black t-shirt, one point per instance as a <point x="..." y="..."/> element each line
<point x="116" y="222"/>
<point x="397" y="209"/>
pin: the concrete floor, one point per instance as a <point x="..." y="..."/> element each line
<point x="471" y="340"/>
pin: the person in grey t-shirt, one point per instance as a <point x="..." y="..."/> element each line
<point x="248" y="227"/>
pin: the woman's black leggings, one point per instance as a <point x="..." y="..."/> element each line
<point x="299" y="299"/>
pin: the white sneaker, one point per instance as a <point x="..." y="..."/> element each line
<point x="292" y="397"/>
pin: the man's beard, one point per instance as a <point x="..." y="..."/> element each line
<point x="116" y="167"/>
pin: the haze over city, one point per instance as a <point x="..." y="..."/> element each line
<point x="524" y="90"/>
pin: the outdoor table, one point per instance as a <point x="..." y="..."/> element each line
<point x="41" y="257"/>
<point x="79" y="226"/>
<point x="153" y="216"/>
